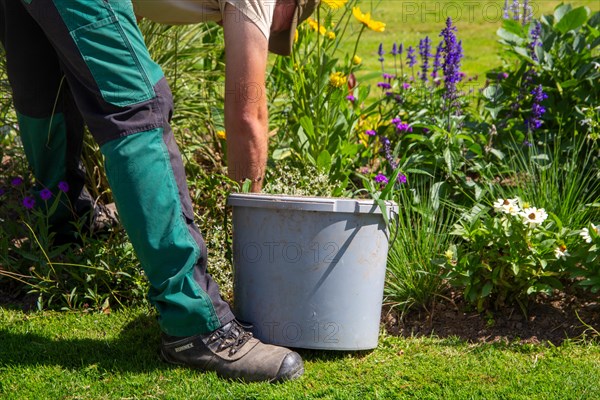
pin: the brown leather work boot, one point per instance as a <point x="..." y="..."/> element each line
<point x="233" y="353"/>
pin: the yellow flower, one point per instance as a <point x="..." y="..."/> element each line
<point x="335" y="4"/>
<point x="331" y="35"/>
<point x="366" y="20"/>
<point x="356" y="60"/>
<point x="337" y="79"/>
<point x="316" y="26"/>
<point x="221" y="134"/>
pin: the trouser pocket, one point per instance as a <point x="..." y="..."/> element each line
<point x="113" y="62"/>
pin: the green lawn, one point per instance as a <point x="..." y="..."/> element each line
<point x="95" y="356"/>
<point x="477" y="22"/>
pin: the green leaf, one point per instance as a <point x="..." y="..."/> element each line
<point x="324" y="161"/>
<point x="493" y="93"/>
<point x="509" y="37"/>
<point x="486" y="289"/>
<point x="561" y="11"/>
<point x="573" y="19"/>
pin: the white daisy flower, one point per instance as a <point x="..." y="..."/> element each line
<point x="561" y="252"/>
<point x="533" y="215"/>
<point x="507" y="206"/>
<point x="585" y="233"/>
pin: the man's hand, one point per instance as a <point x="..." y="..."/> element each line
<point x="246" y="116"/>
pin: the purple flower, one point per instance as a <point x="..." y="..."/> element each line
<point x="2" y="191"/>
<point x="381" y="179"/>
<point x="452" y="51"/>
<point x="437" y="60"/>
<point x="537" y="111"/>
<point x="406" y="86"/>
<point x="401" y="178"/>
<point x="384" y="85"/>
<point x="16" y="181"/>
<point x="502" y="76"/>
<point x="527" y="12"/>
<point x="515" y="8"/>
<point x="536" y="32"/>
<point x="45" y="194"/>
<point x="388" y="76"/>
<point x="371" y="132"/>
<point x="387" y="151"/>
<point x="349" y="98"/>
<point x="404" y="127"/>
<point x="28" y="202"/>
<point x="63" y="186"/>
<point x="425" y="53"/>
<point x="505" y="14"/>
<point x="411" y="57"/>
<point x="394" y="49"/>
<point x="380" y="52"/>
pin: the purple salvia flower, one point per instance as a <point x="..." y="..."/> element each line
<point x="502" y="76"/>
<point x="527" y="12"/>
<point x="351" y="98"/>
<point x="515" y="8"/>
<point x="370" y="132"/>
<point x="401" y="49"/>
<point x="401" y="178"/>
<point x="63" y="186"/>
<point x="384" y="85"/>
<point x="389" y="77"/>
<point x="537" y="111"/>
<point x="505" y="15"/>
<point x="536" y="32"/>
<point x="16" y="181"/>
<point x="411" y="57"/>
<point x="452" y="51"/>
<point x="45" y="194"/>
<point x="425" y="52"/>
<point x="394" y="49"/>
<point x="29" y="202"/>
<point x="380" y="52"/>
<point x="437" y="60"/>
<point x="405" y="85"/>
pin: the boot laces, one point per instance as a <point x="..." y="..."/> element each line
<point x="234" y="338"/>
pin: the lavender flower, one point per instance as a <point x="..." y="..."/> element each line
<point x="405" y="85"/>
<point x="45" y="194"/>
<point x="401" y="178"/>
<point x="411" y="57"/>
<point x="384" y="85"/>
<point x="381" y="179"/>
<point x="351" y="98"/>
<point x="63" y="186"/>
<point x="425" y="52"/>
<point x="536" y="32"/>
<point x="389" y="77"/>
<point x="370" y="132"/>
<point x="394" y="51"/>
<point x="28" y="202"/>
<point x="17" y="181"/>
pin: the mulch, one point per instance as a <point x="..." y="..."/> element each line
<point x="548" y="320"/>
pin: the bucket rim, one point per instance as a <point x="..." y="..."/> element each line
<point x="309" y="203"/>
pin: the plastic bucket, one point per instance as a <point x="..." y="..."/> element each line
<point x="309" y="271"/>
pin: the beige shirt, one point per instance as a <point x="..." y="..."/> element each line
<point x="176" y="12"/>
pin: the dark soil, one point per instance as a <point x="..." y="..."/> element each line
<point x="549" y="319"/>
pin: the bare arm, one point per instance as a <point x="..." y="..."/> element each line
<point x="246" y="116"/>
